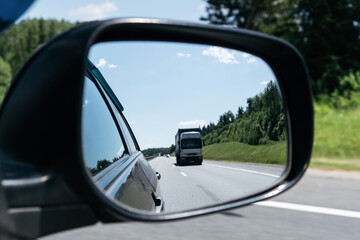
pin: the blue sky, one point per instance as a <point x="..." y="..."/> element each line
<point x="165" y="86"/>
<point x="84" y="10"/>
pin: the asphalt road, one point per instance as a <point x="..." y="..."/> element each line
<point x="192" y="186"/>
<point x="334" y="192"/>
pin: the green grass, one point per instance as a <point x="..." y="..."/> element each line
<point x="274" y="153"/>
<point x="336" y="141"/>
<point x="337" y="136"/>
<point x="337" y="133"/>
<point x="333" y="164"/>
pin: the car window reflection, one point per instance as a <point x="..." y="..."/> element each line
<point x="102" y="144"/>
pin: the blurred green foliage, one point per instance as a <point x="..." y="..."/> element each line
<point x="19" y="41"/>
<point x="5" y="77"/>
<point x="326" y="32"/>
<point x="337" y="128"/>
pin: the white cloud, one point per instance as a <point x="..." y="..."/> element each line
<point x="101" y="63"/>
<point x="112" y="66"/>
<point x="86" y="102"/>
<point x="245" y="55"/>
<point x="264" y="82"/>
<point x="132" y="122"/>
<point x="184" y="54"/>
<point x="193" y="123"/>
<point x="221" y="54"/>
<point x="94" y="11"/>
<point x="251" y="60"/>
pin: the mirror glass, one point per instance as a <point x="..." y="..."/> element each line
<point x="169" y="127"/>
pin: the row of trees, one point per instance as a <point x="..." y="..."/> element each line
<point x="326" y="32"/>
<point x="19" y="41"/>
<point x="156" y="151"/>
<point x="102" y="164"/>
<point x="262" y="122"/>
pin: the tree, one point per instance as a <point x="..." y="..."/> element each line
<point x="262" y="122"/>
<point x="20" y="55"/>
<point x="102" y="164"/>
<point x="20" y="40"/>
<point x="226" y="118"/>
<point x="257" y="15"/>
<point x="32" y="38"/>
<point x="42" y="31"/>
<point x="172" y="148"/>
<point x="329" y="40"/>
<point x="238" y="13"/>
<point x="326" y="32"/>
<point x="5" y="73"/>
<point x="52" y="30"/>
<point x="240" y="112"/>
<point x="250" y="106"/>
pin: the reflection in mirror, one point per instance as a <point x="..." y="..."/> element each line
<point x="209" y="122"/>
<point x="96" y="116"/>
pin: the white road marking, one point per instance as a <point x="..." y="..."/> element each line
<point x="183" y="174"/>
<point x="243" y="170"/>
<point x="308" y="208"/>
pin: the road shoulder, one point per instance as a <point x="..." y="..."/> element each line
<point x="335" y="174"/>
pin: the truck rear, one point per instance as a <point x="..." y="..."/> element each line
<point x="188" y="146"/>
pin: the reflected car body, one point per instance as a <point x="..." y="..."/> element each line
<point x="121" y="171"/>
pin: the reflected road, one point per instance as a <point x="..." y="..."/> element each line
<point x="192" y="186"/>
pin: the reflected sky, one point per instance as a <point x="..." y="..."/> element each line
<point x="101" y="139"/>
<point x="166" y="86"/>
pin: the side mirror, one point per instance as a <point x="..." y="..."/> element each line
<point x="58" y="160"/>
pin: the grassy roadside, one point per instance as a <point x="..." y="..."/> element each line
<point x="337" y="133"/>
<point x="336" y="164"/>
<point x="336" y="142"/>
<point x="274" y="153"/>
<point x="337" y="137"/>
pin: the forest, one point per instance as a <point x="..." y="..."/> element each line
<point x="262" y="122"/>
<point x="19" y="41"/>
<point x="156" y="151"/>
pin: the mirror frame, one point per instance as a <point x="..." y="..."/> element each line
<point x="279" y="55"/>
<point x="55" y="73"/>
<point x="138" y="65"/>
